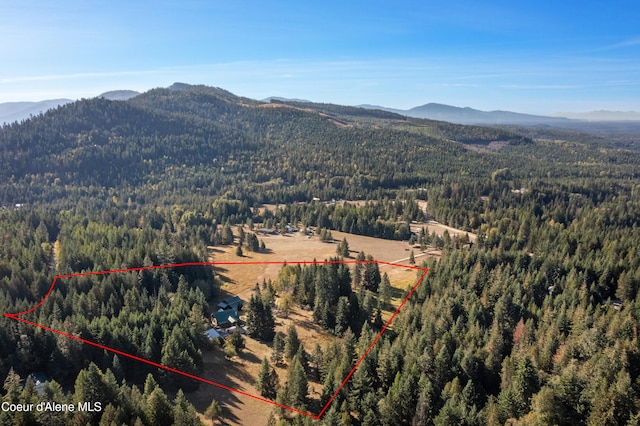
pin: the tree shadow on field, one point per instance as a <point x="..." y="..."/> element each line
<point x="249" y="357"/>
<point x="227" y="373"/>
<point x="226" y="279"/>
<point x="397" y="293"/>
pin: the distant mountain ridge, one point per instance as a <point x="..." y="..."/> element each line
<point x="213" y="140"/>
<point x="17" y="111"/>
<point x="11" y="112"/>
<point x="601" y="115"/>
<point x="466" y="115"/>
<point x="281" y="99"/>
<point x="119" y="95"/>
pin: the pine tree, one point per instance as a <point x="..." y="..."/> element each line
<point x="525" y="384"/>
<point x="361" y="385"/>
<point x="214" y="411"/>
<point x="325" y="235"/>
<point x="93" y="385"/>
<point x="297" y="386"/>
<point x="229" y="350"/>
<point x="184" y="413"/>
<point x="236" y="340"/>
<point x="278" y="348"/>
<point x="291" y="343"/>
<point x="268" y="324"/>
<point x="260" y="321"/>
<point x="150" y="385"/>
<point x="252" y="242"/>
<point x="267" y="383"/>
<point x="385" y="290"/>
<point x="345" y="415"/>
<point x="342" y="316"/>
<point x="358" y="270"/>
<point x="254" y="315"/>
<point x="241" y="235"/>
<point x="227" y="234"/>
<point x="328" y="388"/>
<point x="12" y="386"/>
<point x="371" y="276"/>
<point x="158" y="411"/>
<point x="317" y="358"/>
<point x="303" y="357"/>
<point x="343" y="248"/>
<point x="344" y="280"/>
<point x="331" y="417"/>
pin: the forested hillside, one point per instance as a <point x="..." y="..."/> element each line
<point x="534" y="323"/>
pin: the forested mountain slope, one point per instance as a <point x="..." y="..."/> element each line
<point x="213" y="141"/>
<point x="535" y="323"/>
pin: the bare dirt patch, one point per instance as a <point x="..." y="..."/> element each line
<point x="492" y="146"/>
<point x="439" y="229"/>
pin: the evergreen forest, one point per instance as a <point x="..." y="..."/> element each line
<point x="533" y="323"/>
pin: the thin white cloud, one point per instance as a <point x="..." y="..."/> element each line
<point x="620" y="45"/>
<point x="623" y="83"/>
<point x="627" y="43"/>
<point x="541" y="86"/>
<point x="456" y="85"/>
<point x="73" y="76"/>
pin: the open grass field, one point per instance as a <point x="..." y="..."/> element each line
<point x="240" y="279"/>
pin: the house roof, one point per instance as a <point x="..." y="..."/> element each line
<point x="212" y="333"/>
<point x="229" y="316"/>
<point x="231" y="303"/>
<point x="39" y="379"/>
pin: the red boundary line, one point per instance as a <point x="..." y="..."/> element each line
<point x="17" y="317"/>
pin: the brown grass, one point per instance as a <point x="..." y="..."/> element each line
<point x="240" y="279"/>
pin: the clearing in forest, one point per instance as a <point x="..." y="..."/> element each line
<point x="22" y="317"/>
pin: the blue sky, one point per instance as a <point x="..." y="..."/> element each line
<point x="527" y="56"/>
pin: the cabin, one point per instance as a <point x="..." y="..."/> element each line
<point x="231" y="303"/>
<point x="212" y="334"/>
<point x="39" y="380"/>
<point x="225" y="318"/>
<point x="617" y="304"/>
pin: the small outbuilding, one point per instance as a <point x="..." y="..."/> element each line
<point x="212" y="334"/>
<point x="39" y="379"/>
<point x="231" y="303"/>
